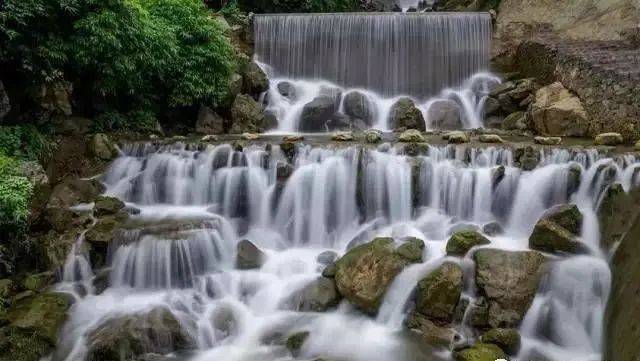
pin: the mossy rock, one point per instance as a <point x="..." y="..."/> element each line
<point x="508" y="339"/>
<point x="550" y="237"/>
<point x="366" y="271"/>
<point x="412" y="249"/>
<point x="439" y="292"/>
<point x="19" y="345"/>
<point x="37" y="282"/>
<point x="567" y="216"/>
<point x="100" y="146"/>
<point x="461" y="242"/>
<point x="7" y="288"/>
<point x="294" y="342"/>
<point x="480" y="352"/>
<point x="105" y="206"/>
<point x="41" y="314"/>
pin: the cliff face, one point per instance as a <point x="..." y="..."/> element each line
<point x="621" y="329"/>
<point x="570" y="19"/>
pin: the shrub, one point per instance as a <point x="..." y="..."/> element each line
<point x="24" y="142"/>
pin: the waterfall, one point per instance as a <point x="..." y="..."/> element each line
<point x="391" y="54"/>
<point x="194" y="204"/>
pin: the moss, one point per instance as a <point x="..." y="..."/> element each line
<point x="412" y="249"/>
<point x="480" y="352"/>
<point x="439" y="292"/>
<point x="461" y="242"/>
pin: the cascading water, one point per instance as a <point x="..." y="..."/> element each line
<point x="194" y="205"/>
<point x="429" y="57"/>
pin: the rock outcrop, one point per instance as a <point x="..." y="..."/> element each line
<point x="246" y="116"/>
<point x="405" y="115"/>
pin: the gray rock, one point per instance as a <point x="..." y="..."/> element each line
<point x="209" y="122"/>
<point x="405" y="115"/>
<point x="100" y="146"/>
<point x="254" y="79"/>
<point x="461" y="242"/>
<point x="246" y="115"/>
<point x="248" y="255"/>
<point x="557" y="112"/>
<point x="318" y="296"/>
<point x="359" y="106"/>
<point x="317" y="113"/>
<point x="444" y="115"/>
<point x="438" y="293"/>
<point x="287" y="90"/>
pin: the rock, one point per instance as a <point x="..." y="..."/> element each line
<point x="502" y="88"/>
<point x="332" y="92"/>
<point x="39" y="281"/>
<point x="5" y="104"/>
<point x="100" y="146"/>
<point x="558" y="230"/>
<point x="342" y="137"/>
<point x="287" y="90"/>
<point x="434" y="335"/>
<point x="411" y="136"/>
<point x="494" y="122"/>
<point x="548" y="236"/>
<point x="318" y="296"/>
<point x="547" y="140"/>
<point x="327" y="257"/>
<point x="359" y="106"/>
<point x="254" y="79"/>
<point x="492" y="229"/>
<point x="248" y="255"/>
<point x="480" y="352"/>
<point x="491" y="106"/>
<point x="439" y="293"/>
<point x="329" y="271"/>
<point x="444" y="115"/>
<point x="75" y="191"/>
<point x="101" y="235"/>
<point x="246" y="115"/>
<point x="373" y="136"/>
<point x="412" y="249"/>
<point x="609" y="139"/>
<point x="7" y="289"/>
<point x="39" y="181"/>
<point x="366" y="271"/>
<point x="458" y="138"/>
<point x="557" y="112"/>
<point x="209" y="122"/>
<point x="405" y="115"/>
<point x="294" y="342"/>
<point x="567" y="216"/>
<point x="101" y="280"/>
<point x="508" y="339"/>
<point x="71" y="125"/>
<point x="636" y="147"/>
<point x="461" y="242"/>
<point x="130" y="336"/>
<point x="55" y="98"/>
<point x="508" y="281"/>
<point x="490" y="138"/>
<point x="250" y="136"/>
<point x="209" y="138"/>
<point x="317" y="113"/>
<point x="105" y="206"/>
<point x="515" y="121"/>
<point x="617" y="209"/>
<point x="506" y="104"/>
<point x="41" y="314"/>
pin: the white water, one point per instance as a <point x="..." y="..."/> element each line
<point x="228" y="195"/>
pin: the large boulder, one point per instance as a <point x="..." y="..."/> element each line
<point x="509" y="282"/>
<point x="34" y="324"/>
<point x="438" y="293"/>
<point x="433" y="334"/>
<point x="358" y="105"/>
<point x="318" y="296"/>
<point x="73" y="191"/>
<point x="130" y="336"/>
<point x="287" y="90"/>
<point x="366" y="271"/>
<point x="254" y="79"/>
<point x="246" y="115"/>
<point x="317" y="113"/>
<point x="106" y="206"/>
<point x="515" y="121"/>
<point x="461" y="242"/>
<point x="209" y="122"/>
<point x="617" y="209"/>
<point x="557" y="112"/>
<point x="557" y="231"/>
<point x="101" y="146"/>
<point x="405" y="115"/>
<point x="444" y="115"/>
<point x="5" y="104"/>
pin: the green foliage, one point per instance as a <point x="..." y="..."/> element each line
<point x="233" y="14"/>
<point x="134" y="54"/>
<point x="24" y="142"/>
<point x="136" y="121"/>
<point x="333" y="6"/>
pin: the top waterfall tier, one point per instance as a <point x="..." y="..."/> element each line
<point x="415" y="54"/>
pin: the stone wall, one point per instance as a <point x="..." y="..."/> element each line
<point x="605" y="75"/>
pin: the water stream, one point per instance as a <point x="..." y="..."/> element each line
<point x="195" y="205"/>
